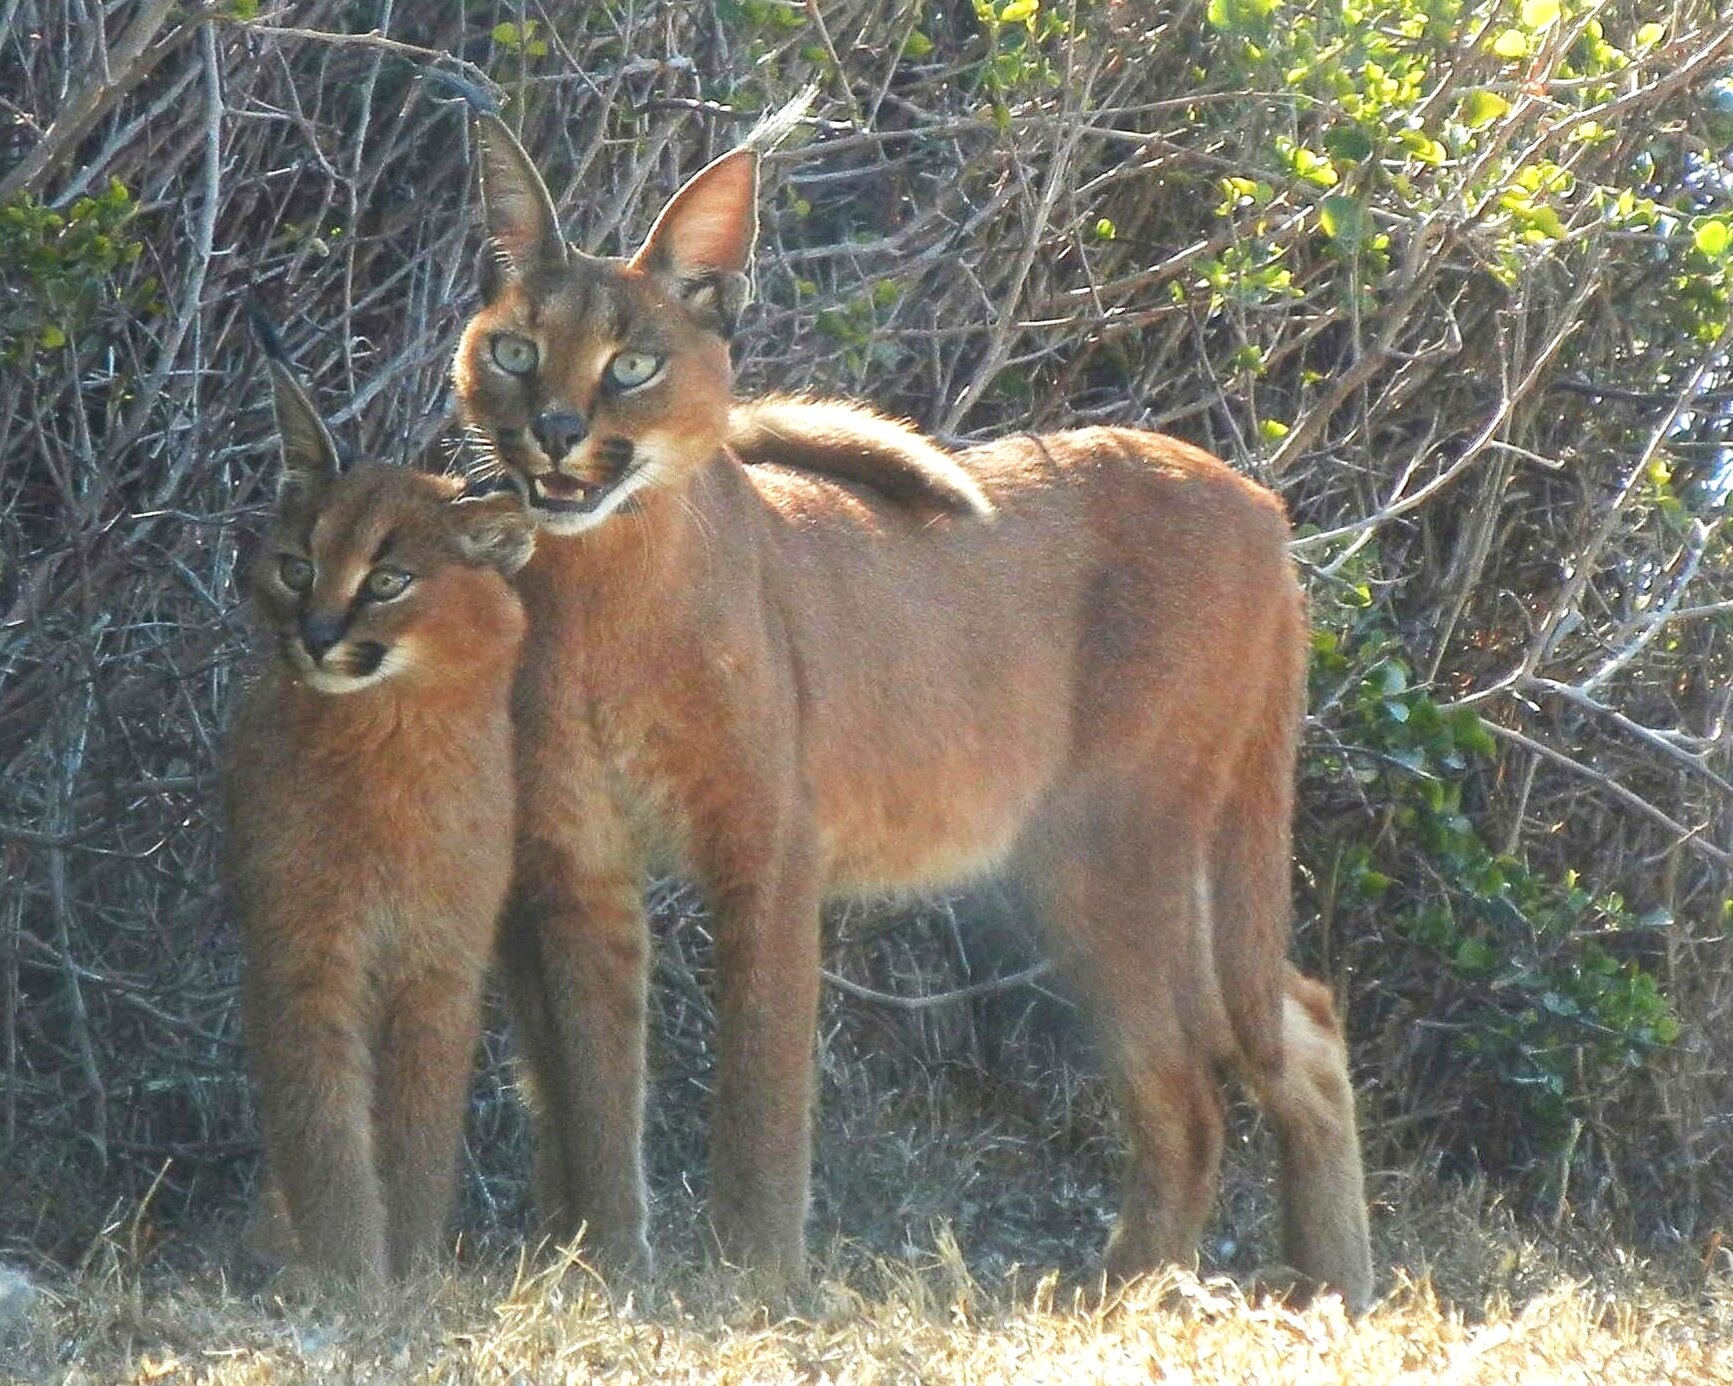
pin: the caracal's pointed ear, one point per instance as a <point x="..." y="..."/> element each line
<point x="496" y="530"/>
<point x="518" y="212"/>
<point x="701" y="244"/>
<point x="310" y="458"/>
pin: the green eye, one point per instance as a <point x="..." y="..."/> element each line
<point x="630" y="369"/>
<point x="295" y="573"/>
<point x="385" y="583"/>
<point x="515" y="355"/>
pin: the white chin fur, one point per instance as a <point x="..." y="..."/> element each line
<point x="330" y="681"/>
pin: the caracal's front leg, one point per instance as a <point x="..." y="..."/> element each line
<point x="766" y="898"/>
<point x="426" y="1051"/>
<point x="575" y="949"/>
<point x="310" y="1056"/>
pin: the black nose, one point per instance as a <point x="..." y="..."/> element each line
<point x="559" y="431"/>
<point x="320" y="633"/>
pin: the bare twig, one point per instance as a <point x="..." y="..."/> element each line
<point x="973" y="992"/>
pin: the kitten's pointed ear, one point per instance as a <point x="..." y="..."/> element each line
<point x="701" y="244"/>
<point x="309" y="452"/>
<point x="496" y="530"/>
<point x="515" y="203"/>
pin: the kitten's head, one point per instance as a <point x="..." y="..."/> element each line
<point x="374" y="572"/>
<point x="591" y="380"/>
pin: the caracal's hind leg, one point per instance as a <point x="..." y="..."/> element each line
<point x="1290" y="1046"/>
<point x="1310" y="1102"/>
<point x="767" y="949"/>
<point x="268" y="1233"/>
<point x="542" y="1079"/>
<point x="1119" y="903"/>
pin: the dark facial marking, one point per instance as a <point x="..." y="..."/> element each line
<point x="365" y="658"/>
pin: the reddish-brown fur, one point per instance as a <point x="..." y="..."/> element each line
<point x="794" y="686"/>
<point x="368" y="850"/>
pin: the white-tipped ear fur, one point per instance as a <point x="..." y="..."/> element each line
<point x="516" y="207"/>
<point x="309" y="452"/>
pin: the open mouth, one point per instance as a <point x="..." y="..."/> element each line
<point x="571" y="495"/>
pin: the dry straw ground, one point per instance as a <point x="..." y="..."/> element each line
<point x="883" y="1324"/>
<point x="1452" y="277"/>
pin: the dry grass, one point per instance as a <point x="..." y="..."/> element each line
<point x="1527" y="1319"/>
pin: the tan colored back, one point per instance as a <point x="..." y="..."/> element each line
<point x="1077" y="659"/>
<point x="368" y="800"/>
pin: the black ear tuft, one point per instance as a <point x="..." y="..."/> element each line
<point x="310" y="454"/>
<point x="265" y="330"/>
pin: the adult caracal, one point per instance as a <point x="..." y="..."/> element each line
<point x="1079" y="658"/>
<point x="368" y="796"/>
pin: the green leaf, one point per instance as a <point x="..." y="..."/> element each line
<point x="917" y="44"/>
<point x="1474" y="955"/>
<point x="1648" y="35"/>
<point x="1423" y="147"/>
<point x="1470" y="733"/>
<point x="1712" y="236"/>
<point x="1348" y="143"/>
<point x="1019" y="11"/>
<point x="1313" y="167"/>
<point x="506" y="35"/>
<point x="1105" y="230"/>
<point x="1273" y="430"/>
<point x="1481" y="108"/>
<point x="1343" y="219"/>
<point x="1539" y="14"/>
<point x="50" y="337"/>
<point x="1240" y="16"/>
<point x="1511" y="44"/>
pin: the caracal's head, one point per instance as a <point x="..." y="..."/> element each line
<point x="591" y="380"/>
<point x="372" y="572"/>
